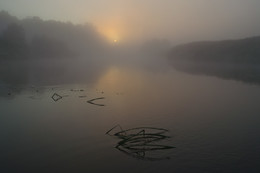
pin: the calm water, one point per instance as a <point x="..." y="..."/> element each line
<point x="212" y="123"/>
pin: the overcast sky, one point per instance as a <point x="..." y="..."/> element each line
<point x="176" y="20"/>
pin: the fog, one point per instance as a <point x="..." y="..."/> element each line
<point x="177" y="20"/>
<point x="79" y="42"/>
<point x="35" y="51"/>
<point x="177" y="82"/>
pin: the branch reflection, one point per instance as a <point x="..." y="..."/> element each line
<point x="145" y="143"/>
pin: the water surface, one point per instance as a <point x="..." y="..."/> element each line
<point x="212" y="124"/>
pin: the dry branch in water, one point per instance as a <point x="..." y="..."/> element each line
<point x="92" y="101"/>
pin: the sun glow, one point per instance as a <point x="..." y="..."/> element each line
<point x="111" y="28"/>
<point x="118" y="79"/>
<point x="111" y="34"/>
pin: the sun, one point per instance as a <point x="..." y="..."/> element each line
<point x="111" y="34"/>
<point x="111" y="31"/>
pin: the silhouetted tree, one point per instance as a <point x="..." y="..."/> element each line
<point x="45" y="47"/>
<point x="12" y="43"/>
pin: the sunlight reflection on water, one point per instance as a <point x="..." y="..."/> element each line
<point x="211" y="122"/>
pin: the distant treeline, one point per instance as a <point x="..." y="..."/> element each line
<point x="13" y="45"/>
<point x="244" y="51"/>
<point x="35" y="38"/>
<point x="230" y="59"/>
<point x="36" y="51"/>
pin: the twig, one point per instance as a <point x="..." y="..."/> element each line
<point x="91" y="101"/>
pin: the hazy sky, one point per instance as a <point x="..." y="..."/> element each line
<point x="177" y="20"/>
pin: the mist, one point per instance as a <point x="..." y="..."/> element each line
<point x="79" y="47"/>
<point x="176" y="20"/>
<point x="159" y="86"/>
<point x="34" y="51"/>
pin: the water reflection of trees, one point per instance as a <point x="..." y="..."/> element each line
<point x="33" y="51"/>
<point x="228" y="59"/>
<point x="244" y="73"/>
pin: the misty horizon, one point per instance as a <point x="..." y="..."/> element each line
<point x="39" y="48"/>
<point x="134" y="21"/>
<point x="129" y="86"/>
